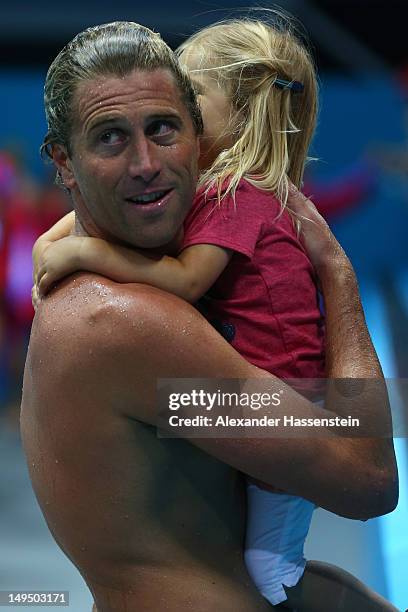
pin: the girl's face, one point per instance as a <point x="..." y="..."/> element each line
<point x="216" y="109"/>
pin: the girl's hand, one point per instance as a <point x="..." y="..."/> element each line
<point x="57" y="259"/>
<point x="39" y="248"/>
<point x="63" y="228"/>
<point x="35" y="298"/>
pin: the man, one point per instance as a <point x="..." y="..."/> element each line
<point x="157" y="524"/>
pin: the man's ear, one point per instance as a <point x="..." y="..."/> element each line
<point x="64" y="165"/>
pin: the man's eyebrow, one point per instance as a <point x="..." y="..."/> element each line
<point x="170" y="114"/>
<point x="110" y="119"/>
<point x="102" y="121"/>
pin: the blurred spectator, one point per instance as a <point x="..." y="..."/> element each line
<point x="27" y="210"/>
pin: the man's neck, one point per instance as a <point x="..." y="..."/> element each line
<point x="82" y="229"/>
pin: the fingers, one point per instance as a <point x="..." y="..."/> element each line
<point x="44" y="284"/>
<point x="40" y="288"/>
<point x="35" y="298"/>
<point x="299" y="203"/>
<point x="38" y="272"/>
<point x="39" y="258"/>
<point x="306" y="211"/>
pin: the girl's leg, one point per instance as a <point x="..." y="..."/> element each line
<point x="277" y="526"/>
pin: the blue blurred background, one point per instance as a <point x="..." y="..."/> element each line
<point x="360" y="184"/>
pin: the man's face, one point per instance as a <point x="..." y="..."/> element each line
<point x="133" y="166"/>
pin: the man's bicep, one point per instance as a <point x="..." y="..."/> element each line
<point x="144" y="334"/>
<point x="165" y="337"/>
<point x="114" y="343"/>
<point x="173" y="341"/>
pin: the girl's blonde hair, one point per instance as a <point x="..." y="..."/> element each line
<point x="272" y="125"/>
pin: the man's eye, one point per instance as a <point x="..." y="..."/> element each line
<point x="112" y="137"/>
<point x="162" y="130"/>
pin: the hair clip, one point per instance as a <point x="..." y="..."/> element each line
<point x="295" y="86"/>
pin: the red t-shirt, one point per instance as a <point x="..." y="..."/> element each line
<point x="265" y="302"/>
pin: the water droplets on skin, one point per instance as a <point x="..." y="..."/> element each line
<point x="138" y="323"/>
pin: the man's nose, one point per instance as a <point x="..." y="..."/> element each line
<point x="145" y="161"/>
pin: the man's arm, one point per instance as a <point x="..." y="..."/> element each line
<point x="126" y="337"/>
<point x="139" y="334"/>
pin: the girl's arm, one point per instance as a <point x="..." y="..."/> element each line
<point x="62" y="228"/>
<point x="188" y="276"/>
<point x="59" y="230"/>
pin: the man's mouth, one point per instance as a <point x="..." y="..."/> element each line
<point x="149" y="198"/>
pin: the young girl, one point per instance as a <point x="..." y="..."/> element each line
<point x="257" y="89"/>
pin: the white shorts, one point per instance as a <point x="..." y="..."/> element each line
<point x="277" y="526"/>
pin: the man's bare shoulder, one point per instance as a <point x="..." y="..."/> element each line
<point x="92" y="308"/>
<point x="125" y="337"/>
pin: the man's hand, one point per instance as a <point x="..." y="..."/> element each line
<point x="322" y="247"/>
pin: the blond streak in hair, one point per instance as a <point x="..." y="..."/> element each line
<point x="272" y="127"/>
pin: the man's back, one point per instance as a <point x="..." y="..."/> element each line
<point x="152" y="524"/>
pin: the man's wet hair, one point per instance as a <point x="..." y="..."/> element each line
<point x="113" y="49"/>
